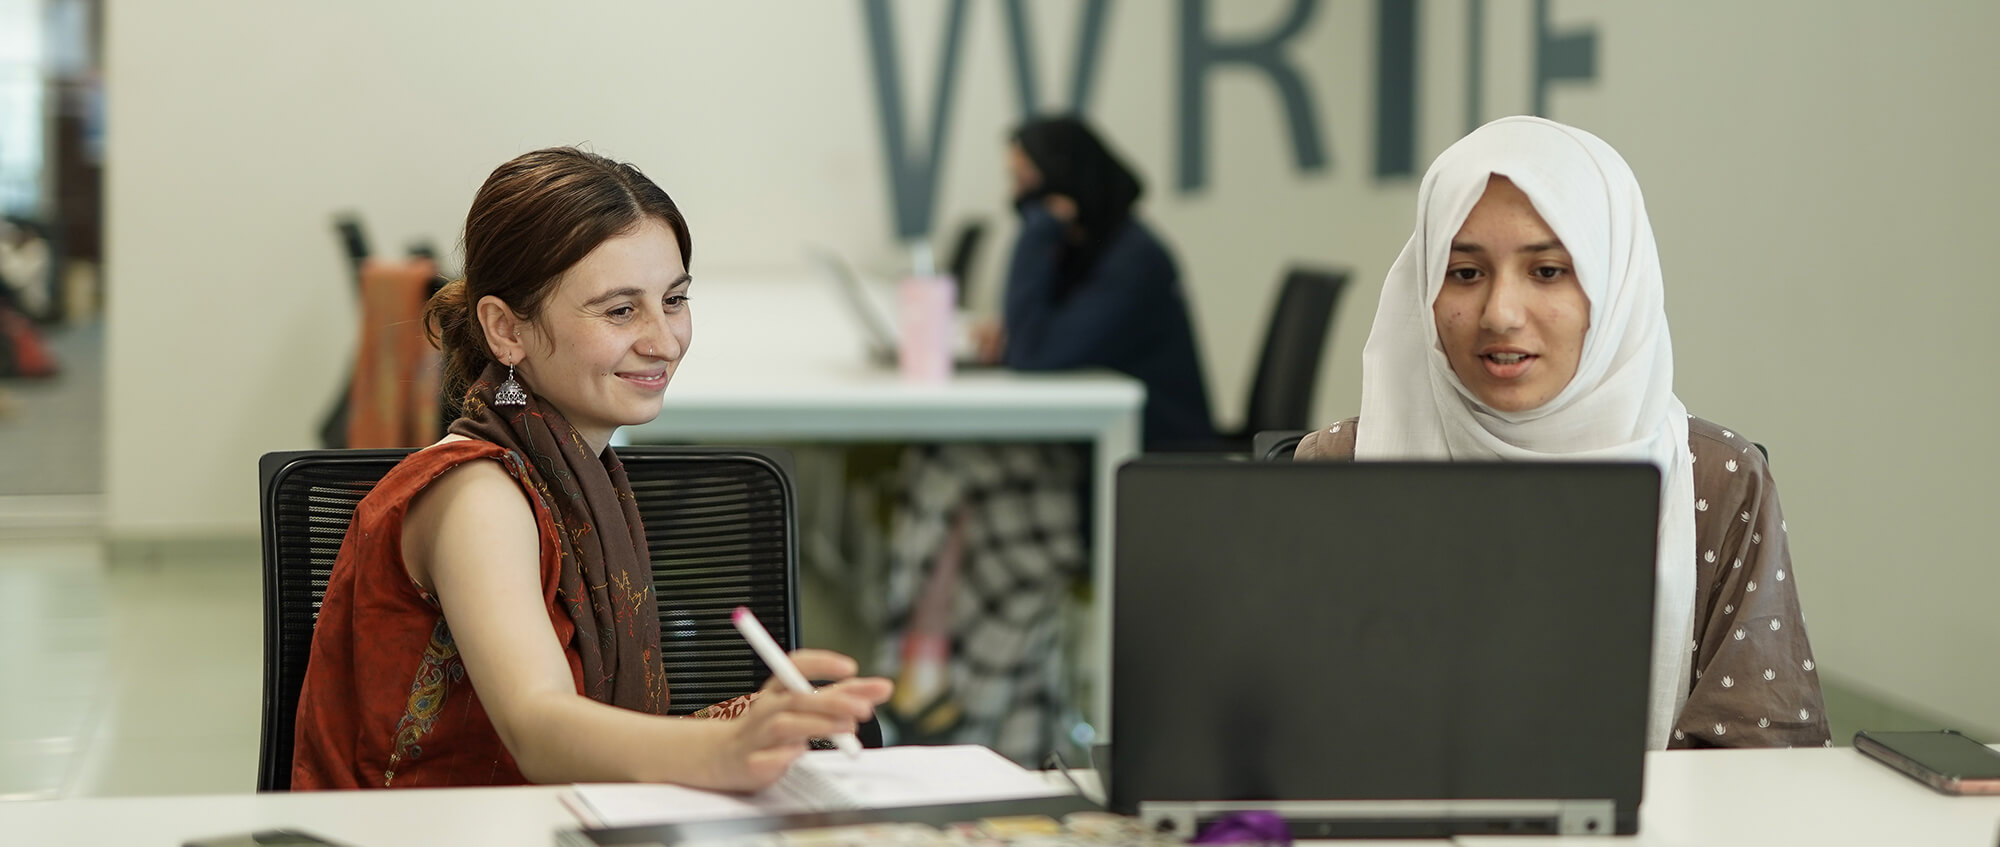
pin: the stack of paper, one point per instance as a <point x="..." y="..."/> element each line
<point x="825" y="780"/>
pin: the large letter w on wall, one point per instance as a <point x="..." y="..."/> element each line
<point x="1083" y="67"/>
<point x="913" y="171"/>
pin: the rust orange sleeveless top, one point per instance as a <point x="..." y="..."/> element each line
<point x="386" y="702"/>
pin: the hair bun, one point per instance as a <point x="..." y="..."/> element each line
<point x="451" y="293"/>
<point x="447" y="314"/>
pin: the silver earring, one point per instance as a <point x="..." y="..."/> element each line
<point x="509" y="393"/>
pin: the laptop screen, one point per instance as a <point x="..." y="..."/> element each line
<point x="1349" y="631"/>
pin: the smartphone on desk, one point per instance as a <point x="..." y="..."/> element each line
<point x="265" y="838"/>
<point x="1944" y="760"/>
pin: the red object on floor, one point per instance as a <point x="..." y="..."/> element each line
<point x="22" y="352"/>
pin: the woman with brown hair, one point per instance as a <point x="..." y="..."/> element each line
<point x="489" y="618"/>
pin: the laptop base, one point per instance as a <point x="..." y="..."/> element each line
<point x="1399" y="818"/>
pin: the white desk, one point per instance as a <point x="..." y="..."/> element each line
<point x="417" y="817"/>
<point x="1821" y="797"/>
<point x="781" y="359"/>
<point x="1703" y="798"/>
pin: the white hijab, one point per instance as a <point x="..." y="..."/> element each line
<point x="1621" y="403"/>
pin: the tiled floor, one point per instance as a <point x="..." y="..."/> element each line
<point x="138" y="678"/>
<point x="53" y="428"/>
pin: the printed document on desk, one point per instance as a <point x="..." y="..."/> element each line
<point x="825" y="780"/>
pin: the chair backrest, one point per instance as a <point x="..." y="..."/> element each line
<point x="721" y="525"/>
<point x="1276" y="445"/>
<point x="964" y="251"/>
<point x="353" y="241"/>
<point x="306" y="500"/>
<point x="1288" y="369"/>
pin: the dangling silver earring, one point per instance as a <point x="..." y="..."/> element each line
<point x="509" y="393"/>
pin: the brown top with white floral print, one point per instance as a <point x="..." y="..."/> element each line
<point x="1754" y="683"/>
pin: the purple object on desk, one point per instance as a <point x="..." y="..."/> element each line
<point x="1246" y="828"/>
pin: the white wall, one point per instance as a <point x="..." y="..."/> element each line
<point x="1819" y="175"/>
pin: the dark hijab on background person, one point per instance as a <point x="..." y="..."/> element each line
<point x="1075" y="163"/>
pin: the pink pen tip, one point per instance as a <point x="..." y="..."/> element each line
<point x="740" y="613"/>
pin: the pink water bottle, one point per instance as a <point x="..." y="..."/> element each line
<point x="926" y="306"/>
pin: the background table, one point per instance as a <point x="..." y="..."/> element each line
<point x="781" y="359"/>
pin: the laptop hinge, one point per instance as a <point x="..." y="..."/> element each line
<point x="1396" y="818"/>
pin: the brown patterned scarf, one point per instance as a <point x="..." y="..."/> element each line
<point x="606" y="580"/>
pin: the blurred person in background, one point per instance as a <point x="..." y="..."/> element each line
<point x="1089" y="285"/>
<point x="988" y="541"/>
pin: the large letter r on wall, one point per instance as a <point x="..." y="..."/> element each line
<point x="1200" y="53"/>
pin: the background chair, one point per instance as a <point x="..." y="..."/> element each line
<point x="354" y="246"/>
<point x="1281" y="393"/>
<point x="965" y="251"/>
<point x="334" y="428"/>
<point x="353" y="242"/>
<point x="720" y="523"/>
<point x="1288" y="369"/>
<point x="1276" y="445"/>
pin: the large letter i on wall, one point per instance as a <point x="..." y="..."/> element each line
<point x="1560" y="57"/>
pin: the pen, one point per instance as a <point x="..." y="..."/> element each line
<point x="788" y="673"/>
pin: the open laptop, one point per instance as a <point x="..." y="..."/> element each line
<point x="876" y="319"/>
<point x="1383" y="649"/>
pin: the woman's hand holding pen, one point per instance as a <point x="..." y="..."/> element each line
<point x="761" y="743"/>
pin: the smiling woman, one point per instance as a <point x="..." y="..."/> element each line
<point x="608" y="337"/>
<point x="488" y="620"/>
<point x="1525" y="320"/>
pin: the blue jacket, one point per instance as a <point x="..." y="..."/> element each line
<point x="1127" y="314"/>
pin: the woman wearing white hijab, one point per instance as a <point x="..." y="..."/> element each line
<point x="1525" y="320"/>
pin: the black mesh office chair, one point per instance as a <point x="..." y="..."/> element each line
<point x="306" y="500"/>
<point x="720" y="522"/>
